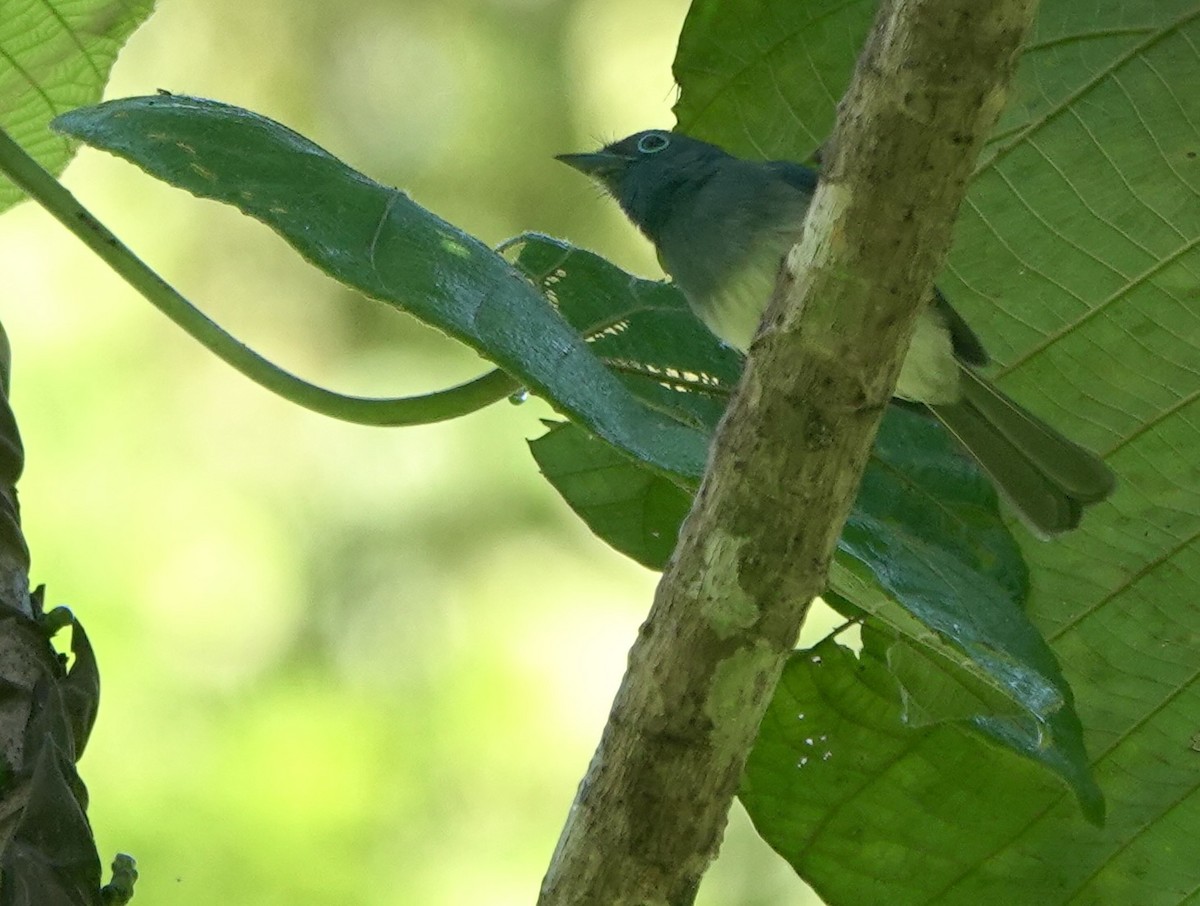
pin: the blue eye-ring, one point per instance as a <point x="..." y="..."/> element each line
<point x="652" y="142"/>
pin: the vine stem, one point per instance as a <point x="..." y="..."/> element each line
<point x="441" y="405"/>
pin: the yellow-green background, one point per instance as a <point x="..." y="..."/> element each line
<point x="340" y="664"/>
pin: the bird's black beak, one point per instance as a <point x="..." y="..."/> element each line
<point x="598" y="164"/>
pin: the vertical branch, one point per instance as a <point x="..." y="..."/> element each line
<point x="787" y="460"/>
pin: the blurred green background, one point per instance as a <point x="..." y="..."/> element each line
<point x="341" y="664"/>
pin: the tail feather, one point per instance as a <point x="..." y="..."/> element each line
<point x="1046" y="477"/>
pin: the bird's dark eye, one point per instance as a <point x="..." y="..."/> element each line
<point x="652" y="142"/>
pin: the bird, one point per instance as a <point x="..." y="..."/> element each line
<point x="721" y="226"/>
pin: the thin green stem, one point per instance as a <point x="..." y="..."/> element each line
<point x="25" y="172"/>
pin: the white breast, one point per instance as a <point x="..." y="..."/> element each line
<point x="930" y="373"/>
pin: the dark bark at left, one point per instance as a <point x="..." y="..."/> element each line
<point x="48" y="855"/>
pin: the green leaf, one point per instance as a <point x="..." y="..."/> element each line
<point x="923" y="549"/>
<point x="377" y="240"/>
<point x="899" y="565"/>
<point x="635" y="510"/>
<point x="643" y="330"/>
<point x="764" y="79"/>
<point x="1076" y="259"/>
<point x="855" y="798"/>
<point x="56" y="55"/>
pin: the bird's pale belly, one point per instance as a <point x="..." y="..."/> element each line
<point x="930" y="373"/>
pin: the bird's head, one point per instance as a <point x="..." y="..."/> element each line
<point x="648" y="172"/>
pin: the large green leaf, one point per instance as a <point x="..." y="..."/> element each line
<point x="377" y="240"/>
<point x="950" y="581"/>
<point x="55" y="55"/>
<point x="837" y="777"/>
<point x="1077" y="258"/>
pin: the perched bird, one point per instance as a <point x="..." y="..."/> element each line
<point x="721" y="226"/>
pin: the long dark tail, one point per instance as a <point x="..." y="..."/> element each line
<point x="1046" y="477"/>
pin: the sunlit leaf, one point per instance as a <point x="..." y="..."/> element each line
<point x="55" y="55"/>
